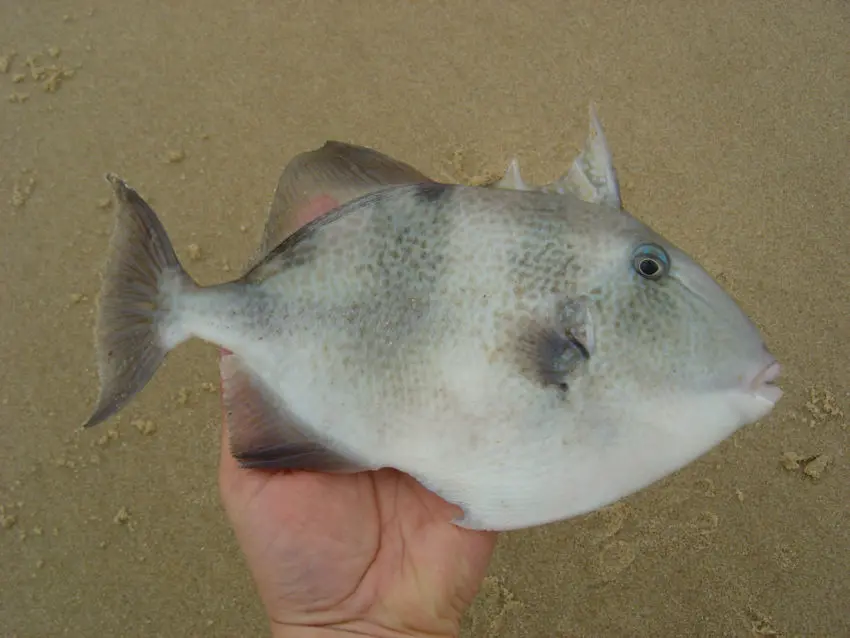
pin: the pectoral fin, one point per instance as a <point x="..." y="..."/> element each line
<point x="263" y="434"/>
<point x="551" y="350"/>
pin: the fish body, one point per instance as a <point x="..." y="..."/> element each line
<point x="527" y="355"/>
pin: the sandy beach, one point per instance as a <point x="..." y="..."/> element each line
<point x="730" y="130"/>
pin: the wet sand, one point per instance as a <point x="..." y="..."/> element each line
<point x="730" y="130"/>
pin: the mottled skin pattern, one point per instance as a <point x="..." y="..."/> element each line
<point x="399" y="330"/>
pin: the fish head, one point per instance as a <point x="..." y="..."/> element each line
<point x="671" y="355"/>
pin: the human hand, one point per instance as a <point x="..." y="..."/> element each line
<point x="372" y="553"/>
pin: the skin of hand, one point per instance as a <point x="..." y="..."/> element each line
<point x="371" y="554"/>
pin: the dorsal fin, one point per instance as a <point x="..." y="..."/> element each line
<point x="512" y="179"/>
<point x="591" y="176"/>
<point x="322" y="179"/>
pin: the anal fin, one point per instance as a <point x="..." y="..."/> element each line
<point x="262" y="433"/>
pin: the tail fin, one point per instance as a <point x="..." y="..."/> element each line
<point x="141" y="279"/>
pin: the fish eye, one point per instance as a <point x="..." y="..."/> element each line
<point x="651" y="261"/>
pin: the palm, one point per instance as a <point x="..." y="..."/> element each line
<point x="372" y="549"/>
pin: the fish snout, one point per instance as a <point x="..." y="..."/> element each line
<point x="763" y="382"/>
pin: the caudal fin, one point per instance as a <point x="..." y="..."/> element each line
<point x="141" y="280"/>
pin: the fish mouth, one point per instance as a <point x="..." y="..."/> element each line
<point x="763" y="385"/>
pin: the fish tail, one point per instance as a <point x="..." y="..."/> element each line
<point x="137" y="322"/>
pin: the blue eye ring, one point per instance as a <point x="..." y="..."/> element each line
<point x="651" y="261"/>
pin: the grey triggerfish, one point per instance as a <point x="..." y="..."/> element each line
<point x="528" y="353"/>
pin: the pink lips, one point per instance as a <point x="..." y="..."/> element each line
<point x="763" y="386"/>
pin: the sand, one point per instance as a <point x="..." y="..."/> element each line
<point x="729" y="126"/>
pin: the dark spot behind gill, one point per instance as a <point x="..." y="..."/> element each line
<point x="559" y="356"/>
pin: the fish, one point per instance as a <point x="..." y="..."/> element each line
<point x="528" y="353"/>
